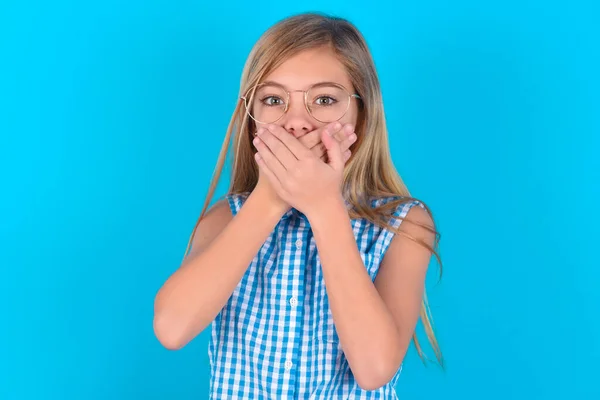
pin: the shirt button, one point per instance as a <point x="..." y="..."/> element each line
<point x="298" y="244"/>
<point x="288" y="365"/>
<point x="294" y="301"/>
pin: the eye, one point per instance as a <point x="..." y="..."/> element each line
<point x="272" y="101"/>
<point x="325" y="101"/>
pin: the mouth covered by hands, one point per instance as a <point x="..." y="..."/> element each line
<point x="304" y="172"/>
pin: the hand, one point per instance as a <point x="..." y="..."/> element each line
<point x="344" y="135"/>
<point x="298" y="176"/>
<point x="269" y="195"/>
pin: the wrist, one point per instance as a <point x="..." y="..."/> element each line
<point x="326" y="208"/>
<point x="269" y="207"/>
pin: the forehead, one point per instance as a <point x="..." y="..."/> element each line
<point x="309" y="67"/>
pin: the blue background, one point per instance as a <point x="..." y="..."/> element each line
<point x="111" y="118"/>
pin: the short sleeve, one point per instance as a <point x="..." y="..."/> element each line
<point x="235" y="202"/>
<point x="386" y="235"/>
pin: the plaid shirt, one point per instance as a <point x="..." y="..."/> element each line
<point x="275" y="338"/>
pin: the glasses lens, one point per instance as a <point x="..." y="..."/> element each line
<point x="327" y="103"/>
<point x="268" y="103"/>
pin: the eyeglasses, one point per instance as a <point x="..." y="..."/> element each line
<point x="327" y="102"/>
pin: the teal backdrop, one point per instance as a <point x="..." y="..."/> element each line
<point x="112" y="115"/>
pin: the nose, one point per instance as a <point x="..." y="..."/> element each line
<point x="297" y="121"/>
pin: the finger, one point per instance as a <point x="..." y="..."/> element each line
<point x="334" y="153"/>
<point x="264" y="168"/>
<point x="343" y="133"/>
<point x="335" y="130"/>
<point x="311" y="139"/>
<point x="348" y="135"/>
<point x="319" y="150"/>
<point x="347" y="142"/>
<point x="293" y="145"/>
<point x="348" y="130"/>
<point x="347" y="155"/>
<point x="269" y="158"/>
<point x="340" y="133"/>
<point x="277" y="148"/>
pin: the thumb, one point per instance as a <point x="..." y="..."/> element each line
<point x="334" y="152"/>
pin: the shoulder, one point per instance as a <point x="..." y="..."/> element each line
<point x="412" y="216"/>
<point x="418" y="218"/>
<point x="212" y="224"/>
<point x="414" y="231"/>
<point x="410" y="245"/>
<point x="218" y="213"/>
<point x="400" y="208"/>
<point x="403" y="221"/>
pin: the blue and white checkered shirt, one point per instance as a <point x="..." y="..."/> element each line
<point x="275" y="338"/>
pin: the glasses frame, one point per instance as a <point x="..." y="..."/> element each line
<point x="249" y="96"/>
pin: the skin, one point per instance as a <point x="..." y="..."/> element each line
<point x="374" y="320"/>
<point x="299" y="73"/>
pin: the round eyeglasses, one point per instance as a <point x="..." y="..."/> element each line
<point x="326" y="102"/>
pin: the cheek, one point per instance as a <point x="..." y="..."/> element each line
<point x="351" y="116"/>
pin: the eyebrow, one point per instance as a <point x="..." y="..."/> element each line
<point x="321" y="83"/>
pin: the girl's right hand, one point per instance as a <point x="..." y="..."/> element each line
<point x="265" y="190"/>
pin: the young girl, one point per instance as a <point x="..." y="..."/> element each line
<point x="312" y="269"/>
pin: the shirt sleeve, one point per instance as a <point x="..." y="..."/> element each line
<point x="386" y="235"/>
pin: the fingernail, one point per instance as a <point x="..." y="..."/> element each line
<point x="337" y="126"/>
<point x="352" y="137"/>
<point x="256" y="141"/>
<point x="261" y="131"/>
<point x="348" y="129"/>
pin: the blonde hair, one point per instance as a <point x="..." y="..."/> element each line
<point x="370" y="172"/>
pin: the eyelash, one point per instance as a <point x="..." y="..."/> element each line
<point x="269" y="97"/>
<point x="333" y="100"/>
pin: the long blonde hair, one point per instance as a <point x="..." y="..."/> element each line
<point x="370" y="172"/>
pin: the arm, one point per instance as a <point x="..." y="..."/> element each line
<point x="193" y="296"/>
<point x="374" y="321"/>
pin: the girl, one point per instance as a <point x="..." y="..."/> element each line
<point x="312" y="268"/>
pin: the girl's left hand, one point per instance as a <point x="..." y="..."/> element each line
<point x="299" y="177"/>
